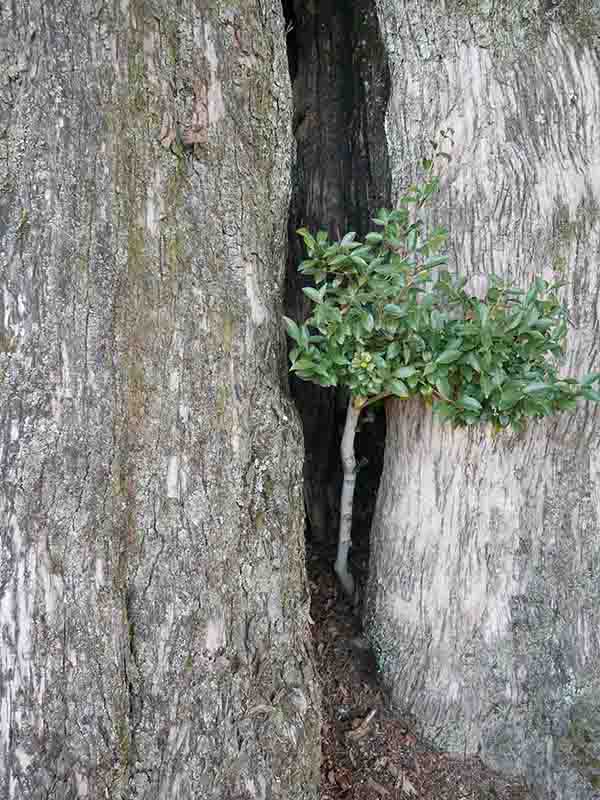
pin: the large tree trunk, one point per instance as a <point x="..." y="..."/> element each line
<point x="153" y="603"/>
<point x="485" y="555"/>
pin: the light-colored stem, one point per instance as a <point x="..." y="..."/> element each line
<point x="349" y="465"/>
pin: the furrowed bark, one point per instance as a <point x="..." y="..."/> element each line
<point x="153" y="600"/>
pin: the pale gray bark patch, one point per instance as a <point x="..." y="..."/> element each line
<point x="483" y="596"/>
<point x="153" y="600"/>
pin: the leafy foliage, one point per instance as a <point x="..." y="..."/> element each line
<point x="389" y="319"/>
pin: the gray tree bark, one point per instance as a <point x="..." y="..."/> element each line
<point x="153" y="601"/>
<point x="485" y="554"/>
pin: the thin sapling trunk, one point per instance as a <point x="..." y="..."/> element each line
<point x="349" y="465"/>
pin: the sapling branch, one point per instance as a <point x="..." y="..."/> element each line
<point x="375" y="399"/>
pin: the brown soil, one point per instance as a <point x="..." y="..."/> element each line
<point x="369" y="753"/>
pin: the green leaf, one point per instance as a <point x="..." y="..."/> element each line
<point x="591" y="394"/>
<point x="338" y="260"/>
<point x="487" y="387"/>
<point x="405" y="372"/>
<point x="374" y="238"/>
<point x="511" y="394"/>
<point x="437" y="320"/>
<point x="484" y="314"/>
<point x="498" y="376"/>
<point x="308" y="239"/>
<point x="565" y="404"/>
<point x="393" y="350"/>
<point x="454" y="344"/>
<point x="398" y="388"/>
<point x="396" y="243"/>
<point x="314" y="295"/>
<point x="471" y="358"/>
<point x="307" y="266"/>
<point x="536" y="387"/>
<point x="516" y="321"/>
<point x="376" y="262"/>
<point x="470" y="403"/>
<point x="303" y="364"/>
<point x="395" y="311"/>
<point x="292" y="329"/>
<point x="448" y="356"/>
<point x="531" y="295"/>
<point x="445" y="411"/>
<point x="442" y="384"/>
<point x="348" y="238"/>
<point x="587" y="380"/>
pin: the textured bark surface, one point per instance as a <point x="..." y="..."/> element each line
<point x="153" y="602"/>
<point x="485" y="559"/>
<point x="340" y="88"/>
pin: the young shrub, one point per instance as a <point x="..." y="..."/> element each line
<point x="390" y="320"/>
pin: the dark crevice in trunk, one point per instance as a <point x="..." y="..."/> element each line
<point x="340" y="82"/>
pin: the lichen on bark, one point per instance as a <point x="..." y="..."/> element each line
<point x="510" y="26"/>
